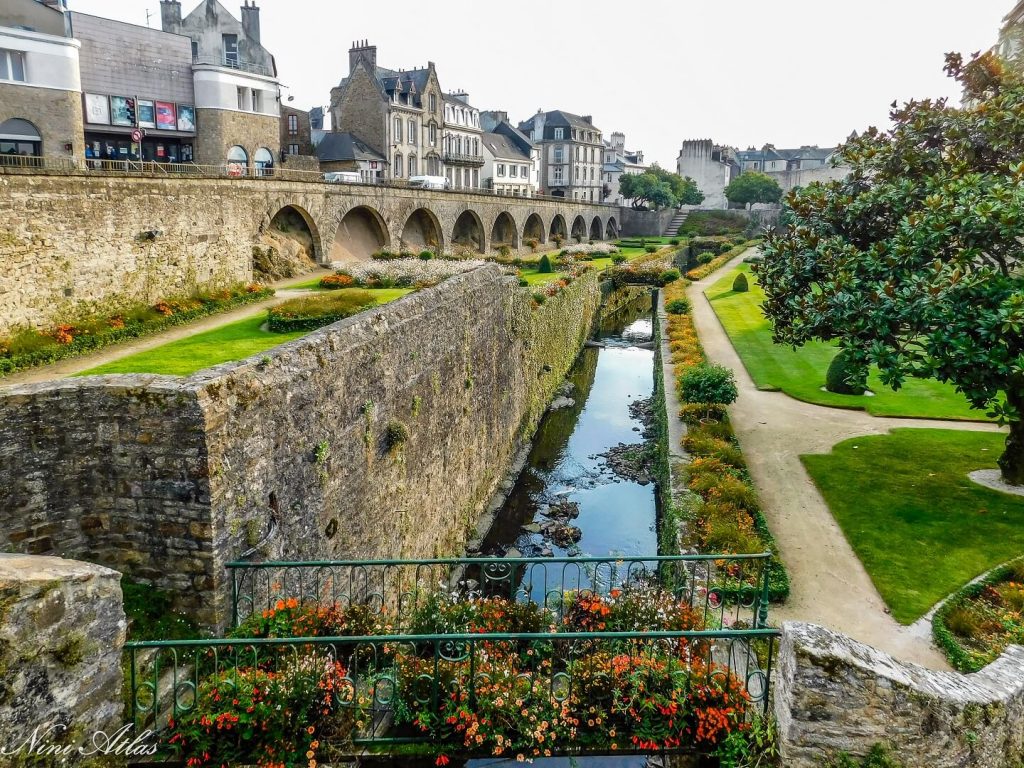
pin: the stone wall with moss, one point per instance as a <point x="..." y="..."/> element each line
<point x="62" y="628"/>
<point x="381" y="436"/>
<point x="834" y="695"/>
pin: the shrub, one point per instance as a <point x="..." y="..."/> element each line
<point x="532" y="242"/>
<point x="651" y="248"/>
<point x="740" y="285"/>
<point x="705" y="257"/>
<point x="523" y="282"/>
<point x="337" y="281"/>
<point x="693" y="413"/>
<point x="708" y="383"/>
<point x="674" y="241"/>
<point x="395" y="434"/>
<point x="669" y="276"/>
<point x="504" y="250"/>
<point x="426" y="255"/>
<point x="700" y="442"/>
<point x="311" y="312"/>
<point x="678" y="306"/>
<point x="845" y="376"/>
<point x="544" y="265"/>
<point x="713" y="223"/>
<point x="618" y="258"/>
<point x="539" y="297"/>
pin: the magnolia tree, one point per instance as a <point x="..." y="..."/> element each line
<point x="753" y="187"/>
<point x="914" y="261"/>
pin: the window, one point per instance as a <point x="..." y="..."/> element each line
<point x="558" y="174"/>
<point x="293" y="125"/>
<point x="195" y="51"/>
<point x="513" y="171"/>
<point x="413" y="167"/>
<point x="559" y="154"/>
<point x="264" y="161"/>
<point x="433" y="133"/>
<point x="476" y="147"/>
<point x="501" y="169"/>
<point x="238" y="155"/>
<point x="230" y="43"/>
<point x="293" y="149"/>
<point x="412" y="135"/>
<point x="257" y="100"/>
<point x="476" y="178"/>
<point x="12" y="65"/>
<point x="398" y="166"/>
<point x="559" y="133"/>
<point x="398" y="132"/>
<point x="525" y="171"/>
<point x="433" y="102"/>
<point x="242" y="98"/>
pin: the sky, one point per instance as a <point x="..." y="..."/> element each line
<point x="740" y="72"/>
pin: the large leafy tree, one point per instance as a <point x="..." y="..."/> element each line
<point x="658" y="188"/>
<point x="753" y="187"/>
<point x="914" y="261"/>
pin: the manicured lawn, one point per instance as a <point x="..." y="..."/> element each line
<point x="533" y="277"/>
<point x="919" y="525"/>
<point x="233" y="341"/>
<point x="308" y="284"/>
<point x="801" y="373"/>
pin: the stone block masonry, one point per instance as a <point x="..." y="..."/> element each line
<point x="62" y="628"/>
<point x="834" y="694"/>
<point x="292" y="454"/>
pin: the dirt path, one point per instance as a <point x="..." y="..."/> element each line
<point x="65" y="368"/>
<point x="830" y="586"/>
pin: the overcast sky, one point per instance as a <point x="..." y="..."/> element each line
<point x="741" y="72"/>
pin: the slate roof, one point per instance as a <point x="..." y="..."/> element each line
<point x="390" y="80"/>
<point x="559" y="117"/>
<point x="337" y="146"/>
<point x="503" y="148"/>
<point x="771" y="153"/>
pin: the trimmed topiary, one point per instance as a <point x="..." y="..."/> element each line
<point x="669" y="276"/>
<point x="740" y="285"/>
<point x="678" y="306"/>
<point x="544" y="265"/>
<point x="845" y="376"/>
<point x="707" y="383"/>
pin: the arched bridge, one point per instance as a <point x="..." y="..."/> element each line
<point x="352" y="221"/>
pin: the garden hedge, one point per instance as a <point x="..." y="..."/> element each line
<point x="83" y="344"/>
<point x="310" y="313"/>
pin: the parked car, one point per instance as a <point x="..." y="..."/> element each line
<point x="344" y="177"/>
<point x="430" y="182"/>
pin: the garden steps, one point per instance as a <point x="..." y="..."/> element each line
<point x="677" y="221"/>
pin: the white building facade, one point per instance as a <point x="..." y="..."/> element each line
<point x="463" y="152"/>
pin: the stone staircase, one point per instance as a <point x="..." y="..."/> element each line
<point x="675" y="224"/>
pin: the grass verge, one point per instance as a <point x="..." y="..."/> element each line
<point x="800" y="373"/>
<point x="919" y="525"/>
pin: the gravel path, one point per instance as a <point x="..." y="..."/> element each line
<point x="830" y="586"/>
<point x="65" y="368"/>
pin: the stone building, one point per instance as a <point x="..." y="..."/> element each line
<point x="463" y="155"/>
<point x="399" y="114"/>
<point x="135" y="78"/>
<point x="296" y="131"/>
<point x="770" y="160"/>
<point x="40" y="85"/>
<point x="1011" y="36"/>
<point x="711" y="166"/>
<point x="617" y="161"/>
<point x="237" y="92"/>
<point x="571" y="154"/>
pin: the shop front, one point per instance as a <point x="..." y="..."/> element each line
<point x="114" y="123"/>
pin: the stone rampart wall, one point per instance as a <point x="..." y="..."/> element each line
<point x="834" y="694"/>
<point x="289" y="453"/>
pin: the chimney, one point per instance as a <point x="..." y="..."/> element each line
<point x="362" y="50"/>
<point x="251" y="21"/>
<point x="588" y="119"/>
<point x="170" y="15"/>
<point x="461" y="96"/>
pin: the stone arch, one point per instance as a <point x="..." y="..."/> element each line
<point x="422" y="231"/>
<point x="468" y="232"/>
<point x="504" y="231"/>
<point x="361" y="232"/>
<point x="579" y="229"/>
<point x="596" y="230"/>
<point x="611" y="229"/>
<point x="558" y="228"/>
<point x="534" y="229"/>
<point x="292" y="232"/>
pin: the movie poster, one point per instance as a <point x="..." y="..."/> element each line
<point x="186" y="117"/>
<point x="97" y="109"/>
<point x="165" y="119"/>
<point x="147" y="114"/>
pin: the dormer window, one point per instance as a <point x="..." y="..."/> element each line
<point x="230" y="43"/>
<point x="559" y="133"/>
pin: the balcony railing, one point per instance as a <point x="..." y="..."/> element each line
<point x="457" y="158"/>
<point x="232" y="63"/>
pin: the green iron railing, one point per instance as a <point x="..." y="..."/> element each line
<point x="728" y="590"/>
<point x="399" y="690"/>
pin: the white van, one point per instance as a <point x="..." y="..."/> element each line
<point x="344" y="177"/>
<point x="430" y="182"/>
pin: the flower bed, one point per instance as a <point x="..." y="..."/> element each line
<point x="407" y="273"/>
<point x="699" y="273"/>
<point x="556" y="286"/>
<point x="723" y="514"/>
<point x="977" y="624"/>
<point x="31" y="347"/>
<point x="650" y="269"/>
<point x="311" y="312"/>
<point x="493" y="696"/>
<point x="590" y="250"/>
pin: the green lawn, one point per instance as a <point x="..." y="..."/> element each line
<point x="801" y="373"/>
<point x="232" y="341"/>
<point x="533" y="277"/>
<point x="921" y="528"/>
